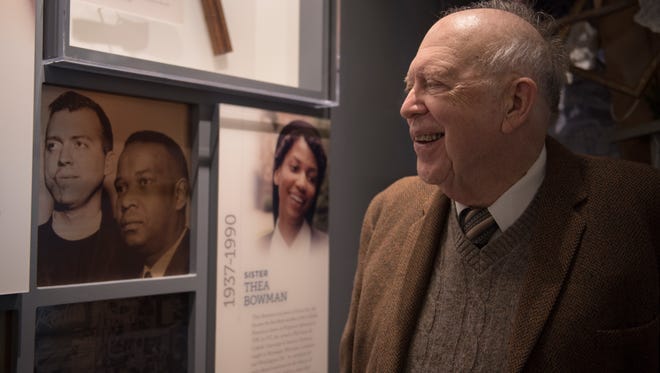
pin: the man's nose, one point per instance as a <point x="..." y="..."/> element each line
<point x="66" y="155"/>
<point x="413" y="105"/>
<point x="127" y="200"/>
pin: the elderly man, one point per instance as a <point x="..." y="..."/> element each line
<point x="80" y="241"/>
<point x="152" y="197"/>
<point x="507" y="252"/>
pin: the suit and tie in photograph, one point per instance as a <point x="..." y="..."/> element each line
<point x="114" y="202"/>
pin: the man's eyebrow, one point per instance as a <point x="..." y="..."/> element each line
<point x="434" y="70"/>
<point x="408" y="80"/>
<point x="426" y="71"/>
<point x="50" y="138"/>
<point x="76" y="137"/>
<point x="84" y="137"/>
<point x="139" y="173"/>
<point x="144" y="171"/>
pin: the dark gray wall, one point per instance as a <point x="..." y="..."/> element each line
<point x="370" y="146"/>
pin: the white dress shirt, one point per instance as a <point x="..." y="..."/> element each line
<point x="512" y="203"/>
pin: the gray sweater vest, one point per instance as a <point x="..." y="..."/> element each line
<point x="466" y="319"/>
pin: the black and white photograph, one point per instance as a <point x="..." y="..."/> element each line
<point x="115" y="188"/>
<point x="141" y="335"/>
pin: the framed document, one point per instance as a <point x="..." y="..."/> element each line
<point x="278" y="50"/>
<point x="114" y="187"/>
<point x="273" y="253"/>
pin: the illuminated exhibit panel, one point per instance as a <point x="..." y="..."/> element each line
<point x="272" y="292"/>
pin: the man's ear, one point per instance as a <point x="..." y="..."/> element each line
<point x="181" y="190"/>
<point x="110" y="163"/>
<point x="522" y="96"/>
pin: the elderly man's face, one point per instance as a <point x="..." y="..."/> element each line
<point x="74" y="161"/>
<point x="453" y="111"/>
<point x="146" y="198"/>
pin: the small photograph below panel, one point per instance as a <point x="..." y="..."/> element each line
<point x="114" y="198"/>
<point x="8" y="340"/>
<point x="273" y="252"/>
<point x="144" y="334"/>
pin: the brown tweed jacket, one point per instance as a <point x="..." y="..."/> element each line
<point x="590" y="297"/>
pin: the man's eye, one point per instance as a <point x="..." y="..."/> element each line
<point x="52" y="145"/>
<point x="120" y="189"/>
<point x="79" y="144"/>
<point x="144" y="182"/>
<point x="434" y="85"/>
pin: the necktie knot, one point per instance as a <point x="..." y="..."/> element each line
<point x="478" y="225"/>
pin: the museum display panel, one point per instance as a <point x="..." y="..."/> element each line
<point x="160" y="71"/>
<point x="273" y="251"/>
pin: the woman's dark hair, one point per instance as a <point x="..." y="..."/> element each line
<point x="288" y="136"/>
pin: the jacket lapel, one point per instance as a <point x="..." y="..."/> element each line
<point x="415" y="269"/>
<point x="553" y="247"/>
<point x="180" y="263"/>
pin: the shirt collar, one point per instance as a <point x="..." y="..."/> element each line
<point x="512" y="203"/>
<point x="303" y="238"/>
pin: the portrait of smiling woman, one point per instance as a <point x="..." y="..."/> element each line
<point x="298" y="172"/>
<point x="272" y="240"/>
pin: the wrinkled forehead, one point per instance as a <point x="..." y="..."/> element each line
<point x="474" y="27"/>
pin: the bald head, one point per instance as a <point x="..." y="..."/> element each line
<point x="499" y="38"/>
<point x="484" y="27"/>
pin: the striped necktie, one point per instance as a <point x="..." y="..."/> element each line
<point x="478" y="225"/>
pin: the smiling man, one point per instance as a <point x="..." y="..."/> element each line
<point x="80" y="241"/>
<point x="507" y="252"/>
<point x="152" y="196"/>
